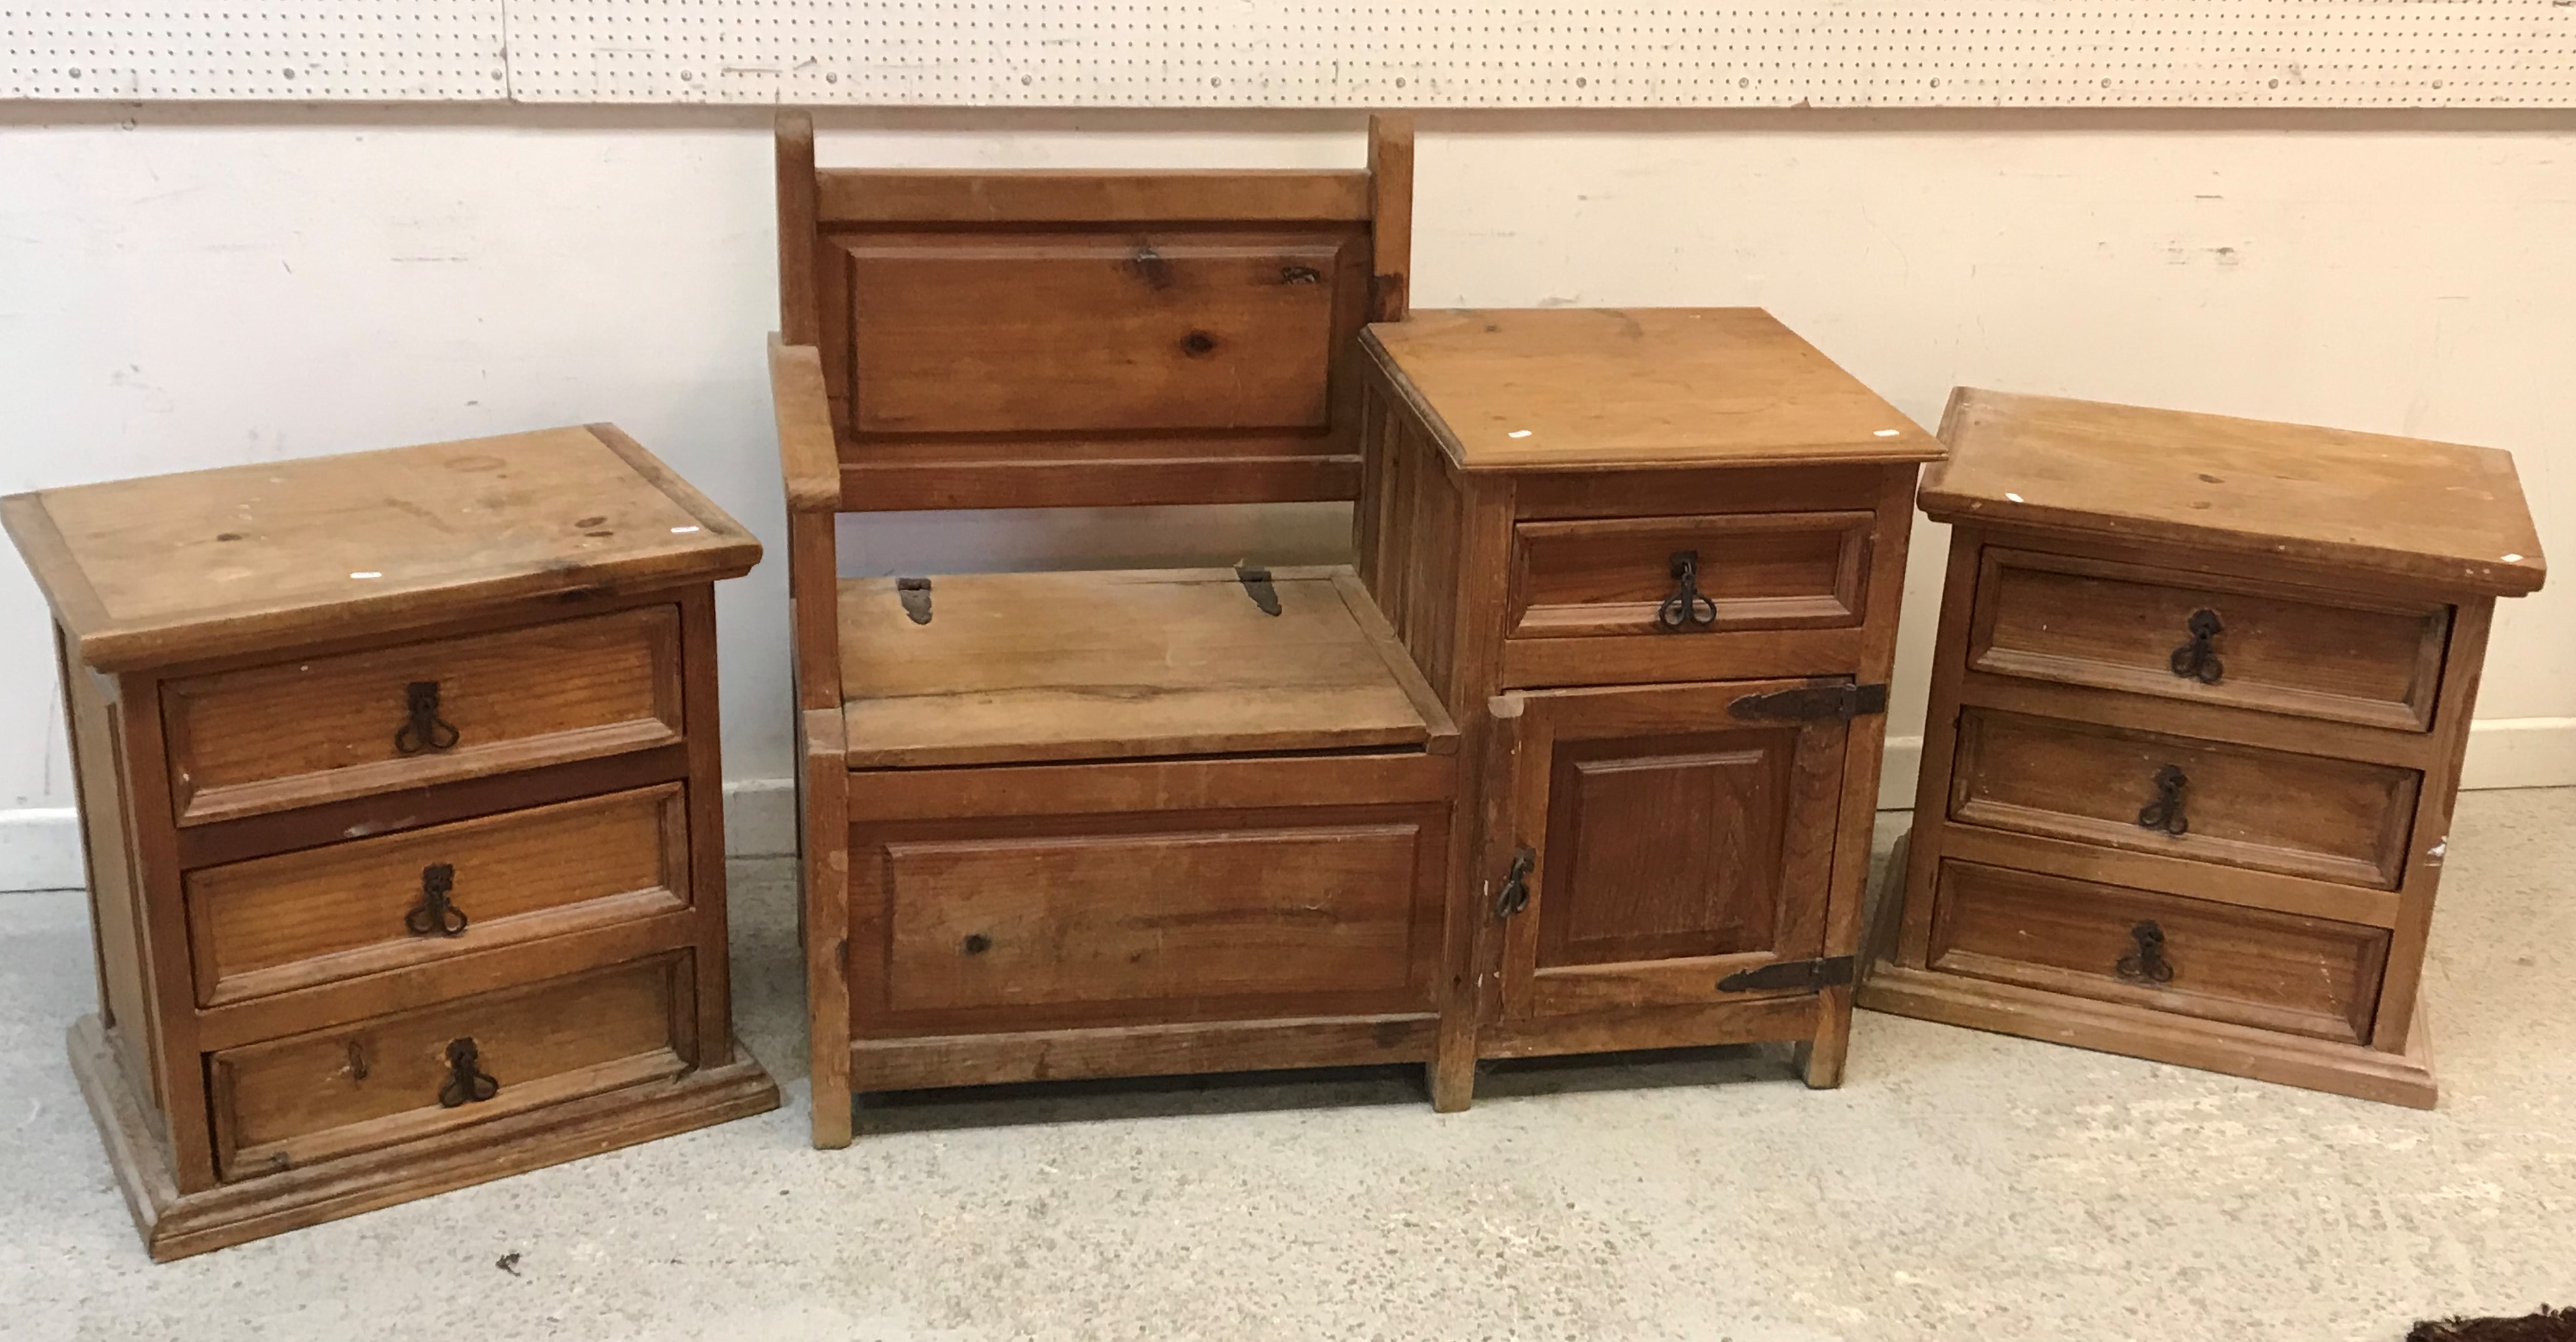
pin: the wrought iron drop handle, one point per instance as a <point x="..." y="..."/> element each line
<point x="424" y="730"/>
<point x="467" y="1082"/>
<point x="435" y="915"/>
<point x="2194" y="660"/>
<point x="1514" y="896"/>
<point x="2165" y="812"/>
<point x="1687" y="607"/>
<point x="2146" y="964"/>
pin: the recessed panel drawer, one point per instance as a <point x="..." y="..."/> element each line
<point x="2273" y="971"/>
<point x="2300" y="815"/>
<point x="2239" y="642"/>
<point x="323" y="914"/>
<point x="356" y="1087"/>
<point x="1151" y="917"/>
<point x="1688" y="575"/>
<point x="1619" y="600"/>
<point x="276" y="737"/>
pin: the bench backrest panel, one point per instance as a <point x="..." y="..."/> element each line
<point x="1036" y="339"/>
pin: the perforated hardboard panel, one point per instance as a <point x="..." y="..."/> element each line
<point x="1235" y="53"/>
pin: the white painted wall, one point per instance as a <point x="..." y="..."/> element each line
<point x="184" y="287"/>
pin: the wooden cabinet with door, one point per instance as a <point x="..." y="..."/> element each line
<point x="1651" y="561"/>
<point x="2198" y="709"/>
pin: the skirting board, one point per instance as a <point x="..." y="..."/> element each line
<point x="40" y="845"/>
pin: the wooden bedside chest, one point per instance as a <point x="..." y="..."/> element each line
<point x="399" y="788"/>
<point x="1650" y="560"/>
<point x="2198" y="708"/>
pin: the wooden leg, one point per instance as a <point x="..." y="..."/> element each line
<point x="1453" y="1079"/>
<point x="1821" y="1058"/>
<point x="826" y="899"/>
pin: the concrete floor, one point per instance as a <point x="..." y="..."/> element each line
<point x="1961" y="1185"/>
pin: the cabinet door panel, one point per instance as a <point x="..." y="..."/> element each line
<point x="1665" y="846"/>
<point x="1671" y="845"/>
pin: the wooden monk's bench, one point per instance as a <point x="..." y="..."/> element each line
<point x="1099" y="823"/>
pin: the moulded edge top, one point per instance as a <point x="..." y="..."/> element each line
<point x="1634" y="389"/>
<point x="2445" y="516"/>
<point x="204" y="624"/>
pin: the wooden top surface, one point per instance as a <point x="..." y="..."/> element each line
<point x="173" y="568"/>
<point x="1605" y="388"/>
<point x="1121" y="664"/>
<point x="2439" y="514"/>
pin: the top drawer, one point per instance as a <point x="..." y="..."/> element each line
<point x="2240" y="642"/>
<point x="270" y="738"/>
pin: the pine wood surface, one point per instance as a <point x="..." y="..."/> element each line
<point x="2205" y="683"/>
<point x="2442" y="515"/>
<point x="1889" y="985"/>
<point x="1092" y="824"/>
<point x="1022" y="667"/>
<point x="1664" y="843"/>
<point x="1607" y="389"/>
<point x="273" y="766"/>
<point x="173" y="568"/>
<point x="288" y="920"/>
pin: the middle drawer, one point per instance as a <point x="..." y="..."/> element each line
<point x="2268" y="810"/>
<point x="293" y="920"/>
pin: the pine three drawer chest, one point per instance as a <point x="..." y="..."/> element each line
<point x="399" y="789"/>
<point x="2198" y="709"/>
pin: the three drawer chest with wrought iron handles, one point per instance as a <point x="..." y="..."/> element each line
<point x="398" y="781"/>
<point x="2199" y="702"/>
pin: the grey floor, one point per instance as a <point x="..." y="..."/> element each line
<point x="1960" y="1185"/>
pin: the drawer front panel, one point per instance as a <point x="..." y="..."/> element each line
<point x="1611" y="576"/>
<point x="2272" y="648"/>
<point x="2301" y="815"/>
<point x="1152" y="917"/>
<point x="2253" y="967"/>
<point x="324" y="914"/>
<point x="294" y="1101"/>
<point x="1098" y="333"/>
<point x="275" y="737"/>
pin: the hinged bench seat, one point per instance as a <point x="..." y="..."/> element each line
<point x="1119" y="823"/>
<point x="1014" y="668"/>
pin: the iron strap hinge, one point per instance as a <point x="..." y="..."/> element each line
<point x="1790" y="975"/>
<point x="1818" y="703"/>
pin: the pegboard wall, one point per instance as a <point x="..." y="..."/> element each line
<point x="1292" y="53"/>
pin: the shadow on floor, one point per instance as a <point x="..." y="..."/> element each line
<point x="1048" y="1102"/>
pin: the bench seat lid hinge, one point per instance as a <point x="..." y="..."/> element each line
<point x="1256" y="584"/>
<point x="915" y="595"/>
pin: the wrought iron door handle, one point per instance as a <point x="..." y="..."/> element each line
<point x="1514" y="896"/>
<point x="2146" y="964"/>
<point x="435" y="915"/>
<point x="1687" y="607"/>
<point x="423" y="728"/>
<point x="467" y="1082"/>
<point x="2194" y="660"/>
<point x="2165" y="811"/>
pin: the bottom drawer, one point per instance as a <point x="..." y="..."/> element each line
<point x="2273" y="971"/>
<point x="1033" y="923"/>
<point x="372" y="1083"/>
